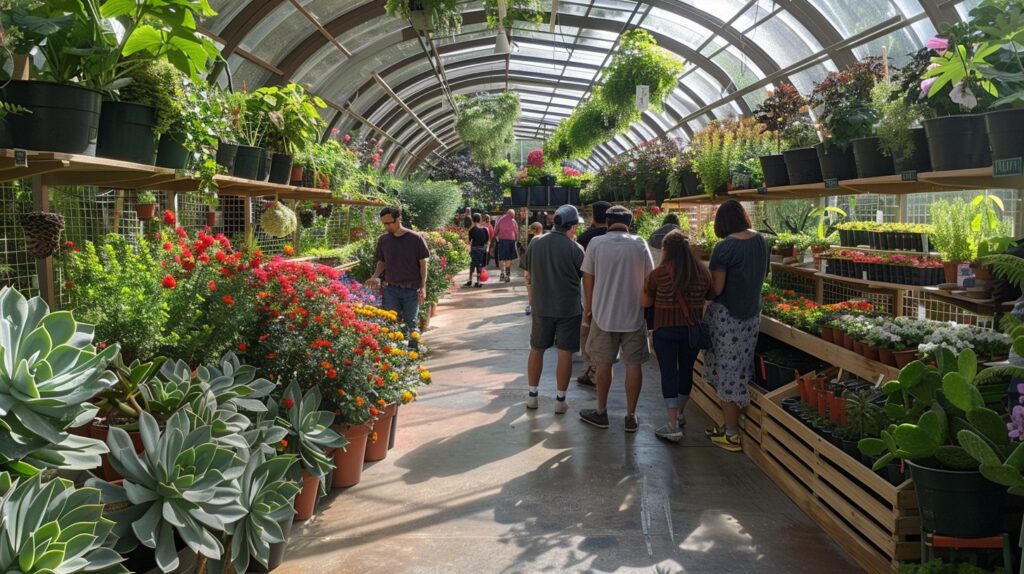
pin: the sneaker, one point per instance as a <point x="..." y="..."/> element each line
<point x="478" y="285"/>
<point x="631" y="424"/>
<point x="714" y="431"/>
<point x="468" y="283"/>
<point x="591" y="416"/>
<point x="680" y="422"/>
<point x="528" y="310"/>
<point x="670" y="434"/>
<point x="561" y="406"/>
<point x="585" y="379"/>
<point x="507" y="278"/>
<point x="531" y="401"/>
<point x="729" y="442"/>
<point x="502" y="278"/>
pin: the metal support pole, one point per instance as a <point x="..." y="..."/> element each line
<point x="44" y="267"/>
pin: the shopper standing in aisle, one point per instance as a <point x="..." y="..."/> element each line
<point x="552" y="271"/>
<point x="479" y="241"/>
<point x="677" y="289"/>
<point x="739" y="265"/>
<point x="506" y="231"/>
<point x="401" y="259"/>
<point x="614" y="270"/>
<point x="668" y="224"/>
<point x="534" y="231"/>
<point x="598" y="228"/>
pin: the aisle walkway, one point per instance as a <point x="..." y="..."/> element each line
<point x="478" y="484"/>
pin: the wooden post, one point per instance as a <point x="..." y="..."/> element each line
<point x="250" y="238"/>
<point x="297" y="236"/>
<point x="44" y="267"/>
<point x="118" y="208"/>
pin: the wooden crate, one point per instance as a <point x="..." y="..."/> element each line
<point x="832" y="354"/>
<point x="704" y="396"/>
<point x="875" y="522"/>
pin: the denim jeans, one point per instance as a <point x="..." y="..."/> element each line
<point x="675" y="359"/>
<point x="407" y="303"/>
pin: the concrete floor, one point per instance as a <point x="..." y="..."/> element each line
<point x="476" y="483"/>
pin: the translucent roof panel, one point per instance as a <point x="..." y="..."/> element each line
<point x="853" y="17"/>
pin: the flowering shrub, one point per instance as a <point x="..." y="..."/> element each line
<point x="805" y="314"/>
<point x="535" y="158"/>
<point x="449" y="256"/>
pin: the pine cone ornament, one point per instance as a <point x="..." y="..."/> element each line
<point x="278" y="220"/>
<point x="307" y="217"/>
<point x="42" y="232"/>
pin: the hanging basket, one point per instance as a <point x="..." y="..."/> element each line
<point x="278" y="220"/>
<point x="42" y="232"/>
<point x="307" y="217"/>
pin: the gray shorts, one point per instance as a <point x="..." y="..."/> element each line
<point x="603" y="346"/>
<point x="562" y="332"/>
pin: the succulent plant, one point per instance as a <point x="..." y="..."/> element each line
<point x="236" y="384"/>
<point x="51" y="527"/>
<point x="268" y="496"/>
<point x="265" y="434"/>
<point x="169" y="391"/>
<point x="121" y="400"/>
<point x="49" y="370"/>
<point x="182" y="483"/>
<point x="309" y="429"/>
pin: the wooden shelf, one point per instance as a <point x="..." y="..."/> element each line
<point x="71" y="169"/>
<point x="975" y="178"/>
<point x="976" y="306"/>
<point x="869" y="284"/>
<point x="828" y="352"/>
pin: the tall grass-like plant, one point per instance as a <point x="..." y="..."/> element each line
<point x="895" y="120"/>
<point x="951" y="224"/>
<point x="431" y="204"/>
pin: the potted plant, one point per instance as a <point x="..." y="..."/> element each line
<point x="930" y="407"/>
<point x="800" y="156"/>
<point x="440" y="16"/>
<point x="900" y="115"/>
<point x="780" y="111"/>
<point x="843" y="103"/>
<point x="295" y="123"/>
<point x="951" y="222"/>
<point x="486" y="123"/>
<point x="145" y="205"/>
<point x="250" y="126"/>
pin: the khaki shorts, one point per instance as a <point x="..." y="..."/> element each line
<point x="603" y="347"/>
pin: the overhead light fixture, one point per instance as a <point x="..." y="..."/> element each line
<point x="501" y="43"/>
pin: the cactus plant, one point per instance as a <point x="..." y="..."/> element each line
<point x="49" y="370"/>
<point x="182" y="483"/>
<point x="51" y="527"/>
<point x="309" y="429"/>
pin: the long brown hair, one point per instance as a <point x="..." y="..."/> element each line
<point x="689" y="277"/>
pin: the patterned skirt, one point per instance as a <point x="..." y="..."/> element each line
<point x="729" y="363"/>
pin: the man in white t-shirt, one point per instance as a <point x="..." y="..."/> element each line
<point x="614" y="269"/>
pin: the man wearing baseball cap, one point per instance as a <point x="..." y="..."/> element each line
<point x="552" y="269"/>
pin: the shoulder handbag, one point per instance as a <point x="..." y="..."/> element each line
<point x="700" y="335"/>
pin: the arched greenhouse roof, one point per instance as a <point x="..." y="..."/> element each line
<point x="377" y="72"/>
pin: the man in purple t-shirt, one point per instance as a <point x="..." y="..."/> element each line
<point x="507" y="233"/>
<point x="401" y="258"/>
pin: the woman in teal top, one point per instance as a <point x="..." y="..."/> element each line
<point x="739" y="265"/>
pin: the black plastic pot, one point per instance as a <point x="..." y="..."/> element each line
<point x="170" y="153"/>
<point x="506" y="202"/>
<point x="918" y="161"/>
<point x="266" y="159"/>
<point x="802" y="165"/>
<point x="1006" y="133"/>
<point x="126" y="133"/>
<point x="574" y="195"/>
<point x="281" y="168"/>
<point x="559" y="195"/>
<point x="64" y="118"/>
<point x="958" y="142"/>
<point x="226" y="153"/>
<point x="836" y="162"/>
<point x="247" y="162"/>
<point x="870" y="160"/>
<point x="539" y="195"/>
<point x="958" y="503"/>
<point x="774" y="168"/>
<point x="520" y="195"/>
<point x="548" y="180"/>
<point x="691" y="185"/>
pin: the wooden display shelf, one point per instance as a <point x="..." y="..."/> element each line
<point x="56" y="169"/>
<point x="869" y="284"/>
<point x="937" y="181"/>
<point x="875" y="522"/>
<point x="976" y="306"/>
<point x="830" y="353"/>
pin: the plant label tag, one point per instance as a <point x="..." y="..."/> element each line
<point x="864" y="275"/>
<point x="879" y="216"/>
<point x="831" y="183"/>
<point x="643" y="97"/>
<point x="922" y="313"/>
<point x="963" y="271"/>
<point x="824" y="266"/>
<point x="20" y="158"/>
<point x="881" y="378"/>
<point x="1008" y="167"/>
<point x="762" y="191"/>
<point x="908" y="176"/>
<point x="924" y="241"/>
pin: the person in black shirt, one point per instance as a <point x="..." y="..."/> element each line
<point x="597" y="229"/>
<point x="479" y="241"/>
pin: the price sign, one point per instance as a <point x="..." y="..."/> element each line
<point x="879" y="216"/>
<point x="831" y="183"/>
<point x="643" y="97"/>
<point x="762" y="191"/>
<point x="908" y="176"/>
<point x="1009" y="167"/>
<point x="20" y="158"/>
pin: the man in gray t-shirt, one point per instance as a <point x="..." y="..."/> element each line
<point x="552" y="269"/>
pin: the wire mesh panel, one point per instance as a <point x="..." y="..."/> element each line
<point x="801" y="284"/>
<point x="837" y="292"/>
<point x="269" y="245"/>
<point x="192" y="211"/>
<point x="17" y="266"/>
<point x="923" y="305"/>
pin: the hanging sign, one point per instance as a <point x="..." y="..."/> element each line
<point x="1009" y="167"/>
<point x="643" y="98"/>
<point x="20" y="158"/>
<point x="908" y="176"/>
<point x="832" y="183"/>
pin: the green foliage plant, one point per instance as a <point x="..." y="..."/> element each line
<point x="294" y="114"/>
<point x="49" y="371"/>
<point x="154" y="84"/>
<point x="431" y="204"/>
<point x="843" y="102"/>
<point x="249" y="118"/>
<point x="951" y="224"/>
<point x="145" y="197"/>
<point x="445" y="15"/>
<point x="723" y="147"/>
<point x="639" y="61"/>
<point x="896" y="118"/>
<point x="531" y="11"/>
<point x="183" y="485"/>
<point x="52" y="527"/>
<point x="486" y="124"/>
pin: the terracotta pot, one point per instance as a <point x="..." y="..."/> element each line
<point x="297" y="172"/>
<point x="394" y="428"/>
<point x="433" y="309"/>
<point x="827" y="333"/>
<point x="858" y="347"/>
<point x="305" y="502"/>
<point x="982" y="273"/>
<point x="377" y="445"/>
<point x="211" y="219"/>
<point x="99" y="431"/>
<point x="949" y="268"/>
<point x="348" y="461"/>
<point x="886" y="357"/>
<point x="145" y="212"/>
<point x="848" y="341"/>
<point x="903" y="358"/>
<point x="870" y="353"/>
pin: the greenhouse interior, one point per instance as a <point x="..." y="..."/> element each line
<point x="278" y="279"/>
